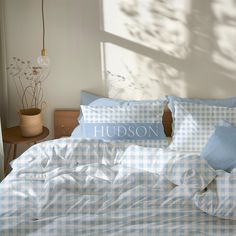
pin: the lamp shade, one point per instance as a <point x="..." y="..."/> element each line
<point x="43" y="61"/>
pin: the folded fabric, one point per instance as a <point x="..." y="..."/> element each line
<point x="66" y="153"/>
<point x="189" y="170"/>
<point x="220" y="150"/>
<point x="219" y="199"/>
<point x="212" y="191"/>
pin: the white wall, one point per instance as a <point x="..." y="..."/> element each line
<point x="71" y="44"/>
<point x="73" y="40"/>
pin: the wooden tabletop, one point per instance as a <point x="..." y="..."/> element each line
<point x="13" y="136"/>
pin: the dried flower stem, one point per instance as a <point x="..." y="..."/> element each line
<point x="28" y="82"/>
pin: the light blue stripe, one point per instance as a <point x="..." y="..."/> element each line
<point x="124" y="131"/>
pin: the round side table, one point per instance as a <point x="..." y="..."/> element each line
<point x="13" y="137"/>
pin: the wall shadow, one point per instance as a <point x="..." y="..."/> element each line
<point x="179" y="47"/>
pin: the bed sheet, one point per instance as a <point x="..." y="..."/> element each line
<point x="71" y="187"/>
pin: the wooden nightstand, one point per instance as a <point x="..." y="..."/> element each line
<point x="13" y="137"/>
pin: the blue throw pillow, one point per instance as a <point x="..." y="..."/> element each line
<point x="86" y="98"/>
<point x="91" y="99"/>
<point x="220" y="150"/>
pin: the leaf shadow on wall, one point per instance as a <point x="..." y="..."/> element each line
<point x="161" y="48"/>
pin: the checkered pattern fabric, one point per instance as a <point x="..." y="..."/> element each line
<point x="219" y="199"/>
<point x="162" y="143"/>
<point x="195" y="123"/>
<point x="189" y="169"/>
<point x="149" y="158"/>
<point x="140" y="113"/>
<point x="142" y="116"/>
<point x="81" y="187"/>
<point x="68" y="152"/>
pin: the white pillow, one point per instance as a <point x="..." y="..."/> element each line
<point x="195" y="123"/>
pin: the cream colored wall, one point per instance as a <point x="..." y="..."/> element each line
<point x="71" y="43"/>
<point x="73" y="40"/>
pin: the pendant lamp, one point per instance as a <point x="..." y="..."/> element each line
<point x="43" y="60"/>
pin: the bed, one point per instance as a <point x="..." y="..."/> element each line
<point x="77" y="186"/>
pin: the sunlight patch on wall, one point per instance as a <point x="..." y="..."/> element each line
<point x="129" y="75"/>
<point x="225" y="33"/>
<point x="160" y="25"/>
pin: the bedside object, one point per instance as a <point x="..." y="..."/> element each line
<point x="31" y="122"/>
<point x="64" y="122"/>
<point x="13" y="137"/>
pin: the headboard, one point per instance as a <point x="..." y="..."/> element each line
<point x="65" y="120"/>
<point x="167" y="122"/>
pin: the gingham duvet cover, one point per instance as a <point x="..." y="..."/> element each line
<point x="72" y="187"/>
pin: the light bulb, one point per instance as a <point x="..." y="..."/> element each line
<point x="43" y="60"/>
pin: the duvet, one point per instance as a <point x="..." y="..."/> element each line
<point x="87" y="187"/>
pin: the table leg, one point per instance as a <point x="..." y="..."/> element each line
<point x="14" y="152"/>
<point x="7" y="160"/>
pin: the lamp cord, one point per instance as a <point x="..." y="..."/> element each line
<point x="43" y="23"/>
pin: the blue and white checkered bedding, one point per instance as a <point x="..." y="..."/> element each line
<point x="87" y="187"/>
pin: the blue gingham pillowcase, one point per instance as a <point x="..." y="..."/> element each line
<point x="195" y="123"/>
<point x="137" y="123"/>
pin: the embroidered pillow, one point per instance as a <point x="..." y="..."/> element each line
<point x="139" y="122"/>
<point x="90" y="99"/>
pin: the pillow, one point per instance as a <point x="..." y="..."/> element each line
<point x="90" y="99"/>
<point x="96" y="100"/>
<point x="195" y="123"/>
<point x="139" y="122"/>
<point x="87" y="98"/>
<point x="220" y="150"/>
<point x="227" y="102"/>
